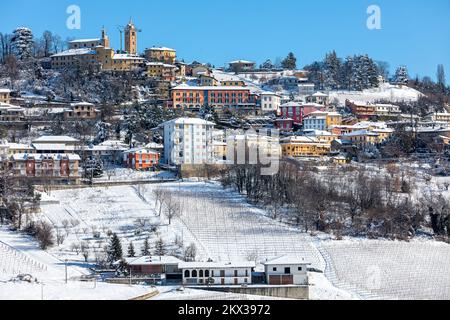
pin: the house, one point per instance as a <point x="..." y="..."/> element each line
<point x="386" y="110"/>
<point x="284" y="124"/>
<point x="361" y="110"/>
<point x="232" y="83"/>
<point x="161" y="54"/>
<point x="207" y="80"/>
<point x="270" y="102"/>
<point x="9" y="113"/>
<point x="188" y="141"/>
<point x="46" y="168"/>
<point x="286" y="270"/>
<point x="5" y="96"/>
<point x="318" y="97"/>
<point x="217" y="273"/>
<point x="315" y="121"/>
<point x="16" y="148"/>
<point x="161" y="70"/>
<point x="241" y="66"/>
<point x="306" y="89"/>
<point x="154" y="265"/>
<point x="141" y="159"/>
<point x="302" y="146"/>
<point x="297" y="110"/>
<point x="362" y="139"/>
<point x="81" y="111"/>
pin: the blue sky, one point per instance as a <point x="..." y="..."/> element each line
<point x="414" y="32"/>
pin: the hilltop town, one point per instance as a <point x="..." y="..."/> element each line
<point x="166" y="179"/>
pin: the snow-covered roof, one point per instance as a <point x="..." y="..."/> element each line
<point x="285" y="260"/>
<point x="84" y="40"/>
<point x="153" y="145"/>
<point x="75" y="52"/>
<point x="216" y="265"/>
<point x="299" y="139"/>
<point x="40" y="157"/>
<point x="142" y="150"/>
<point x="55" y="139"/>
<point x="189" y="121"/>
<point x="10" y="107"/>
<point x="76" y="104"/>
<point x="19" y="146"/>
<point x="241" y="62"/>
<point x="151" y="260"/>
<point x="291" y="104"/>
<point x="52" y="146"/>
<point x="361" y="133"/>
<point x="126" y="56"/>
<point x="161" y="49"/>
<point x="4" y="90"/>
<point x="229" y="88"/>
<point x="313" y="132"/>
<point x="319" y="94"/>
<point x="160" y="64"/>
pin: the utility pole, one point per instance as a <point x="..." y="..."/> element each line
<point x="66" y="270"/>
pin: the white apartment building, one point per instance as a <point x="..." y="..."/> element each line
<point x="188" y="141"/>
<point x="270" y="102"/>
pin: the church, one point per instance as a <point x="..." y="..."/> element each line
<point x="97" y="53"/>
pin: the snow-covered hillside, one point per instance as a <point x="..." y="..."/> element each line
<point x="386" y="91"/>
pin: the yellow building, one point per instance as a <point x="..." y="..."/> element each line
<point x="334" y="119"/>
<point x="233" y="83"/>
<point x="383" y="134"/>
<point x="161" y="70"/>
<point x="161" y="54"/>
<point x="5" y="96"/>
<point x="83" y="54"/>
<point x="131" y="38"/>
<point x="304" y="147"/>
<point x="362" y="138"/>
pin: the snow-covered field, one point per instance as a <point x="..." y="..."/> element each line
<point x="387" y="92"/>
<point x="224" y="227"/>
<point x="19" y="254"/>
<point x="124" y="174"/>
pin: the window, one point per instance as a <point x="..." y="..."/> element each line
<point x="235" y="273"/>
<point x="287" y="270"/>
<point x="201" y="273"/>
<point x="300" y="268"/>
<point x="187" y="274"/>
<point x="194" y="273"/>
<point x="206" y="273"/>
<point x="274" y="269"/>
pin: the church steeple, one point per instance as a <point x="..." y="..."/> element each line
<point x="131" y="38"/>
<point x="105" y="38"/>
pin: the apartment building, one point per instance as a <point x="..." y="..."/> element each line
<point x="270" y="102"/>
<point x="10" y="113"/>
<point x="188" y="141"/>
<point x="302" y="146"/>
<point x="142" y="159"/>
<point x="222" y="97"/>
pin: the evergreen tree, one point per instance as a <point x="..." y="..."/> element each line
<point x="114" y="249"/>
<point x="22" y="43"/>
<point x="160" y="248"/>
<point x="267" y="65"/>
<point x="131" y="252"/>
<point x="401" y="75"/>
<point x="332" y="66"/>
<point x="290" y="62"/>
<point x="146" y="248"/>
<point x="441" y="77"/>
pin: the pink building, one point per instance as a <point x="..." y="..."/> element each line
<point x="297" y="111"/>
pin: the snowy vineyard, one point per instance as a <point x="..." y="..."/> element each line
<point x="13" y="263"/>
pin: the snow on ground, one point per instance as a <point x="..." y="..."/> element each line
<point x="225" y="228"/>
<point x="19" y="254"/>
<point x="124" y="174"/>
<point x="386" y="91"/>
<point x="73" y="290"/>
<point x="171" y="293"/>
<point x="391" y="269"/>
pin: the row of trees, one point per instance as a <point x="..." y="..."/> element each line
<point x="23" y="45"/>
<point x="349" y="202"/>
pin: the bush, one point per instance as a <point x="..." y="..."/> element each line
<point x="44" y="235"/>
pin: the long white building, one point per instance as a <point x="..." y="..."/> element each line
<point x="188" y="141"/>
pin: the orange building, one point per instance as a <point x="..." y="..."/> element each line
<point x="190" y="97"/>
<point x="141" y="159"/>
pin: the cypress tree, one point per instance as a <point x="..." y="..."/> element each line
<point x="131" y="252"/>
